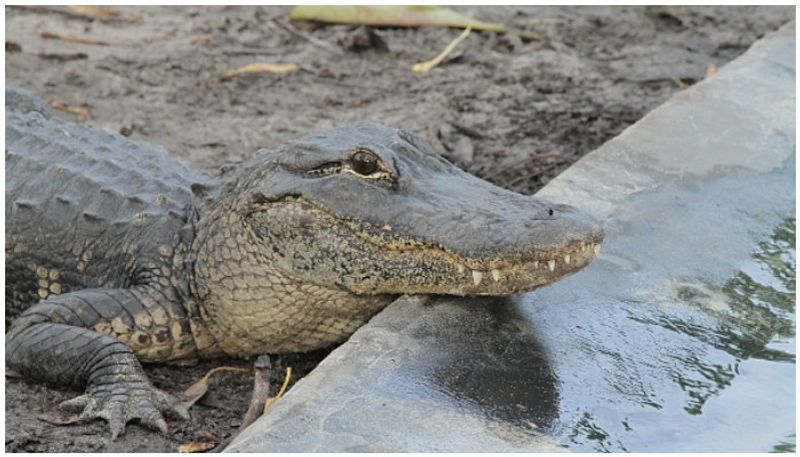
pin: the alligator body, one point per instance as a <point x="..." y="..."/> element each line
<point x="117" y="253"/>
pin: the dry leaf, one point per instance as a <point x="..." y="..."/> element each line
<point x="198" y="389"/>
<point x="81" y="112"/>
<point x="398" y="16"/>
<point x="72" y="39"/>
<point x="428" y="65"/>
<point x="195" y="447"/>
<point x="58" y="418"/>
<point x="94" y="11"/>
<point x="263" y="68"/>
<point x="276" y="68"/>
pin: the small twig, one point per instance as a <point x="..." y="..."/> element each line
<point x="63" y="57"/>
<point x="81" y="112"/>
<point x="260" y="401"/>
<point x="422" y="67"/>
<point x="271" y="401"/>
<point x="72" y="39"/>
<point x="263" y="369"/>
<point x="274" y="68"/>
<point x="306" y="36"/>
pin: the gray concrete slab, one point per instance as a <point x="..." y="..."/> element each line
<point x="679" y="337"/>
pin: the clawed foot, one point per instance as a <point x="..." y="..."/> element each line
<point x="122" y="402"/>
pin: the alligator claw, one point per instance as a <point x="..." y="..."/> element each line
<point x="121" y="404"/>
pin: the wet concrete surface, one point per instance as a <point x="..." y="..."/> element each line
<point x="679" y="337"/>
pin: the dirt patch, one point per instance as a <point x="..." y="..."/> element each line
<point x="516" y="113"/>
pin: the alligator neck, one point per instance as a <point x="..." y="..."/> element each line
<point x="251" y="307"/>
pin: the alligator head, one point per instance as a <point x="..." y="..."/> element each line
<point x="372" y="210"/>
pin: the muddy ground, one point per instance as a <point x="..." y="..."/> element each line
<point x="511" y="111"/>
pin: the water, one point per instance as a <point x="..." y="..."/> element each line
<point x="621" y="359"/>
<point x="711" y="369"/>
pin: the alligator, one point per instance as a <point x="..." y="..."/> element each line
<point x="118" y="254"/>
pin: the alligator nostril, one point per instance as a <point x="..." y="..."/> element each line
<point x="549" y="211"/>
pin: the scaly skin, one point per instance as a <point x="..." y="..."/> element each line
<point x="127" y="255"/>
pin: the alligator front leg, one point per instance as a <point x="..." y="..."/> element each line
<point x="67" y="341"/>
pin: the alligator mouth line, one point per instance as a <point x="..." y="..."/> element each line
<point x="401" y="244"/>
<point x="542" y="263"/>
<point x="545" y="265"/>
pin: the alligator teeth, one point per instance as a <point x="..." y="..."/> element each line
<point x="535" y="264"/>
<point x="566" y="259"/>
<point x="596" y="250"/>
<point x="387" y="227"/>
<point x="496" y="274"/>
<point x="551" y="264"/>
<point x="477" y="276"/>
<point x="460" y="268"/>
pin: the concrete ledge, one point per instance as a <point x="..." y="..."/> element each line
<point x="675" y="339"/>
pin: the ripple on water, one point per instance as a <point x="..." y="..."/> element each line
<point x="752" y="317"/>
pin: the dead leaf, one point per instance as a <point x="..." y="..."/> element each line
<point x="276" y="68"/>
<point x="199" y="388"/>
<point x="72" y="39"/>
<point x="94" y="11"/>
<point x="398" y="16"/>
<point x="81" y="112"/>
<point x="59" y="418"/>
<point x="711" y="70"/>
<point x="195" y="447"/>
<point x="423" y="67"/>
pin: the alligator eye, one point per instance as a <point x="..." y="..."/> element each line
<point x="364" y="163"/>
